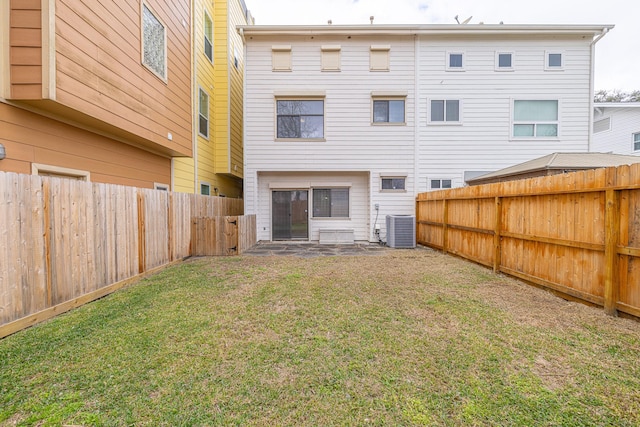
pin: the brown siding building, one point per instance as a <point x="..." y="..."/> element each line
<point x="96" y="90"/>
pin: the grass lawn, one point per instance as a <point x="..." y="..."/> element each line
<point x="409" y="337"/>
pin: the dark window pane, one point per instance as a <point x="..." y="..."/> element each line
<point x="555" y="60"/>
<point x="393" y="183"/>
<point x="331" y="202"/>
<point x="455" y="60"/>
<point x="380" y="111"/>
<point x="437" y="111"/>
<point x="288" y="127"/>
<point x="446" y="183"/>
<point x="504" y="60"/>
<point x="311" y="127"/>
<point x="321" y="203"/>
<point x="203" y="126"/>
<point x="435" y="183"/>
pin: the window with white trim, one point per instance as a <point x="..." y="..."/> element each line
<point x="388" y="110"/>
<point x="438" y="184"/>
<point x="203" y="113"/>
<point x="445" y="111"/>
<point x="455" y="61"/>
<point x="154" y="43"/>
<point x="205" y="189"/>
<point x="300" y="118"/>
<point x="535" y="118"/>
<point x="636" y="141"/>
<point x="393" y="183"/>
<point x="330" y="202"/>
<point x="504" y="61"/>
<point x="554" y="60"/>
<point x="208" y="36"/>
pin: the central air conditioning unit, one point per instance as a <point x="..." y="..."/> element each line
<point x="401" y="231"/>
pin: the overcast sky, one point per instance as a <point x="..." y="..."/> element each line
<point x="617" y="54"/>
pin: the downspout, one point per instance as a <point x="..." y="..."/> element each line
<point x="194" y="99"/>
<point x="592" y="88"/>
<point x="416" y="115"/>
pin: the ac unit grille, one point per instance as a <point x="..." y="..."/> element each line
<point x="401" y="231"/>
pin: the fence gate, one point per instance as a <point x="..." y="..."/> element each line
<point x="222" y="236"/>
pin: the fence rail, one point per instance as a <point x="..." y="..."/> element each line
<point x="66" y="242"/>
<point x="577" y="234"/>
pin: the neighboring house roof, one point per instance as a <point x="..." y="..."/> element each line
<point x="561" y="161"/>
<point x="617" y="104"/>
<point x="428" y="29"/>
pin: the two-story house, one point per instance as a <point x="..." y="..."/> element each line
<point x="98" y="91"/>
<point x="346" y="124"/>
<point x="616" y="128"/>
<point x="216" y="167"/>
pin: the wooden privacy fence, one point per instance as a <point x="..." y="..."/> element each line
<point x="66" y="242"/>
<point x="223" y="235"/>
<point x="577" y="233"/>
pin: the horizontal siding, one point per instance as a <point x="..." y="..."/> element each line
<point x="99" y="70"/>
<point x="30" y="138"/>
<point x="25" y="50"/>
<point x="619" y="139"/>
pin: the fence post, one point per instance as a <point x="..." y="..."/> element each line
<point x="612" y="227"/>
<point x="142" y="250"/>
<point x="170" y="236"/>
<point x="497" y="244"/>
<point x="46" y="214"/>
<point x="445" y="219"/>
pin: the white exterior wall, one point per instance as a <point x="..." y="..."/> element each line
<point x="619" y="138"/>
<point x="351" y="143"/>
<point x="419" y="149"/>
<point x="483" y="141"/>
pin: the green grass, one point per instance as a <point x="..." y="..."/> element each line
<point x="405" y="338"/>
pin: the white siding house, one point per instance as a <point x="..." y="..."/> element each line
<point x="346" y="124"/>
<point x="616" y="128"/>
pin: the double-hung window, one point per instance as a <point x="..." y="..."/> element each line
<point x="535" y="118"/>
<point x="154" y="43"/>
<point x="203" y="113"/>
<point x="208" y="36"/>
<point x="636" y="141"/>
<point x="445" y="111"/>
<point x="330" y="202"/>
<point x="300" y="118"/>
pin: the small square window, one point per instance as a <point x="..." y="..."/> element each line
<point x="205" y="189"/>
<point x="455" y="61"/>
<point x="504" y="61"/>
<point x="393" y="183"/>
<point x="636" y="141"/>
<point x="554" y="61"/>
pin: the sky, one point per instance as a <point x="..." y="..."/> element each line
<point x="617" y="64"/>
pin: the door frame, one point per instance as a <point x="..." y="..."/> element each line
<point x="307" y="211"/>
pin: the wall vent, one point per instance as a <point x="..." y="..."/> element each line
<point x="401" y="231"/>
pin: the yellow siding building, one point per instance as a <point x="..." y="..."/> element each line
<point x="218" y="63"/>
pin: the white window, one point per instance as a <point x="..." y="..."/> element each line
<point x="205" y="189"/>
<point x="535" y="118"/>
<point x="388" y="110"/>
<point x="203" y="114"/>
<point x="330" y="202"/>
<point x="154" y="43"/>
<point x="554" y="60"/>
<point x="455" y="61"/>
<point x="300" y="118"/>
<point x="393" y="183"/>
<point x="208" y="36"/>
<point x="281" y="58"/>
<point x="504" y="61"/>
<point x="636" y="141"/>
<point x="379" y="58"/>
<point x="438" y="184"/>
<point x="330" y="58"/>
<point x="445" y="111"/>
